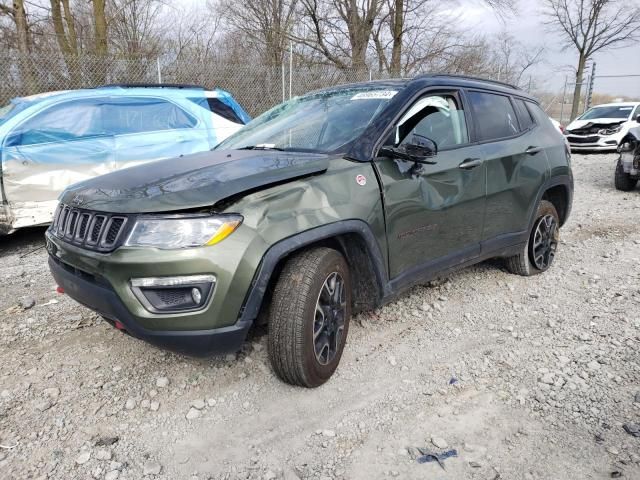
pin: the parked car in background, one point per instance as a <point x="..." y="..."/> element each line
<point x="52" y="140"/>
<point x="602" y="127"/>
<point x="325" y="206"/>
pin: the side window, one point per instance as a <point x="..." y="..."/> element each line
<point x="138" y="115"/>
<point x="541" y="117"/>
<point x="494" y="115"/>
<point x="524" y="115"/>
<point x="636" y="113"/>
<point x="67" y="121"/>
<point x="437" y="117"/>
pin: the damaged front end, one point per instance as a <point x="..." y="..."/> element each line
<point x="630" y="153"/>
<point x="595" y="135"/>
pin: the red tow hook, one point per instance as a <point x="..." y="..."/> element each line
<point x="60" y="290"/>
<point x="119" y="325"/>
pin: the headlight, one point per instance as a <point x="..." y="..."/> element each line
<point x="182" y="231"/>
<point x="610" y="131"/>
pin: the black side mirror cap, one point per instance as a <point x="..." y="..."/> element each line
<point x="638" y="119"/>
<point x="418" y="149"/>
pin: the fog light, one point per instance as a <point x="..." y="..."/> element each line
<point x="174" y="294"/>
<point x="196" y="295"/>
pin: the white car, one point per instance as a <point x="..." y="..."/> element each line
<point x="603" y="126"/>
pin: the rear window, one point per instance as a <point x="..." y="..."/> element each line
<point x="494" y="115"/>
<point x="524" y="115"/>
<point x="217" y="106"/>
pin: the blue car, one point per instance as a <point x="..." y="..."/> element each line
<point x="52" y="140"/>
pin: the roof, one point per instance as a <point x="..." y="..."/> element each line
<point x="437" y="79"/>
<point x="121" y="89"/>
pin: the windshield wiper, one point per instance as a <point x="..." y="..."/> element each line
<point x="263" y="146"/>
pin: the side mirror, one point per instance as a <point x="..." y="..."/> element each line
<point x="637" y="119"/>
<point x="14" y="139"/>
<point x="418" y="149"/>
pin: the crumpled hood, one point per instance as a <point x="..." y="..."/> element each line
<point x="577" y="124"/>
<point x="192" y="181"/>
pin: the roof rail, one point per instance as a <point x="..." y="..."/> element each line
<point x="469" y="77"/>
<point x="151" y="85"/>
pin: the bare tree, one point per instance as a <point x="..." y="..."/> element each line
<point x="16" y="12"/>
<point x="134" y="27"/>
<point x="591" y="26"/>
<point x="18" y="15"/>
<point x="339" y="31"/>
<point x="100" y="27"/>
<point x="512" y="59"/>
<point x="266" y="23"/>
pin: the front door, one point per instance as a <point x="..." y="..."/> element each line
<point x="57" y="147"/>
<point x="434" y="213"/>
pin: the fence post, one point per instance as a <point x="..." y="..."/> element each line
<point x="290" y="67"/>
<point x="159" y="71"/>
<point x="564" y="95"/>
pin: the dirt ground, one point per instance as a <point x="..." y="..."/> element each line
<point x="526" y="378"/>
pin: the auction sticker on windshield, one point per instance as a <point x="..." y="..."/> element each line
<point x="375" y="95"/>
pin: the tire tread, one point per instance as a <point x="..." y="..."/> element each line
<point x="286" y="323"/>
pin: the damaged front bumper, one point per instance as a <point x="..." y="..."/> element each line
<point x="593" y="142"/>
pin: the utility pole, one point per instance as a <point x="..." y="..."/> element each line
<point x="590" y="88"/>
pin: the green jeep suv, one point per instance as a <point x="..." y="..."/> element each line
<point x="324" y="206"/>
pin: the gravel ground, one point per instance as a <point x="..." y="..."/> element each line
<point x="527" y="378"/>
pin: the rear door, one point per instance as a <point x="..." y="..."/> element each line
<point x="149" y="128"/>
<point x="516" y="165"/>
<point x="434" y="213"/>
<point x="56" y="147"/>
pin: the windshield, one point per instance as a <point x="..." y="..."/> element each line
<point x="619" y="111"/>
<point x="319" y="122"/>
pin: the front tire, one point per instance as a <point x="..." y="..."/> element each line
<point x="622" y="180"/>
<point x="540" y="250"/>
<point x="309" y="317"/>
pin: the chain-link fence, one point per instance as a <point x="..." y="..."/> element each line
<point x="256" y="87"/>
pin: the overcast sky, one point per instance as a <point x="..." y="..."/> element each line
<point x="528" y="28"/>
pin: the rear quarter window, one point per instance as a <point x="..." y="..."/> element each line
<point x="524" y="115"/>
<point x="541" y="117"/>
<point x="494" y="116"/>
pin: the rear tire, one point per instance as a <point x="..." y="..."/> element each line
<point x="309" y="317"/>
<point x="539" y="252"/>
<point x="622" y="180"/>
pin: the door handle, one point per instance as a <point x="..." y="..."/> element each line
<point x="470" y="163"/>
<point x="533" y="150"/>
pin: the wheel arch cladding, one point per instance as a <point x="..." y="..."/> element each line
<point x="558" y="195"/>
<point x="352" y="238"/>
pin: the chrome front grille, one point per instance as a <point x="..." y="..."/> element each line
<point x="101" y="232"/>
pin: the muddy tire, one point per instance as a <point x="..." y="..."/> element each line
<point x="539" y="252"/>
<point x="309" y="317"/>
<point x="622" y="180"/>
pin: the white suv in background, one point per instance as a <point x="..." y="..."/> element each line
<point x="603" y="126"/>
